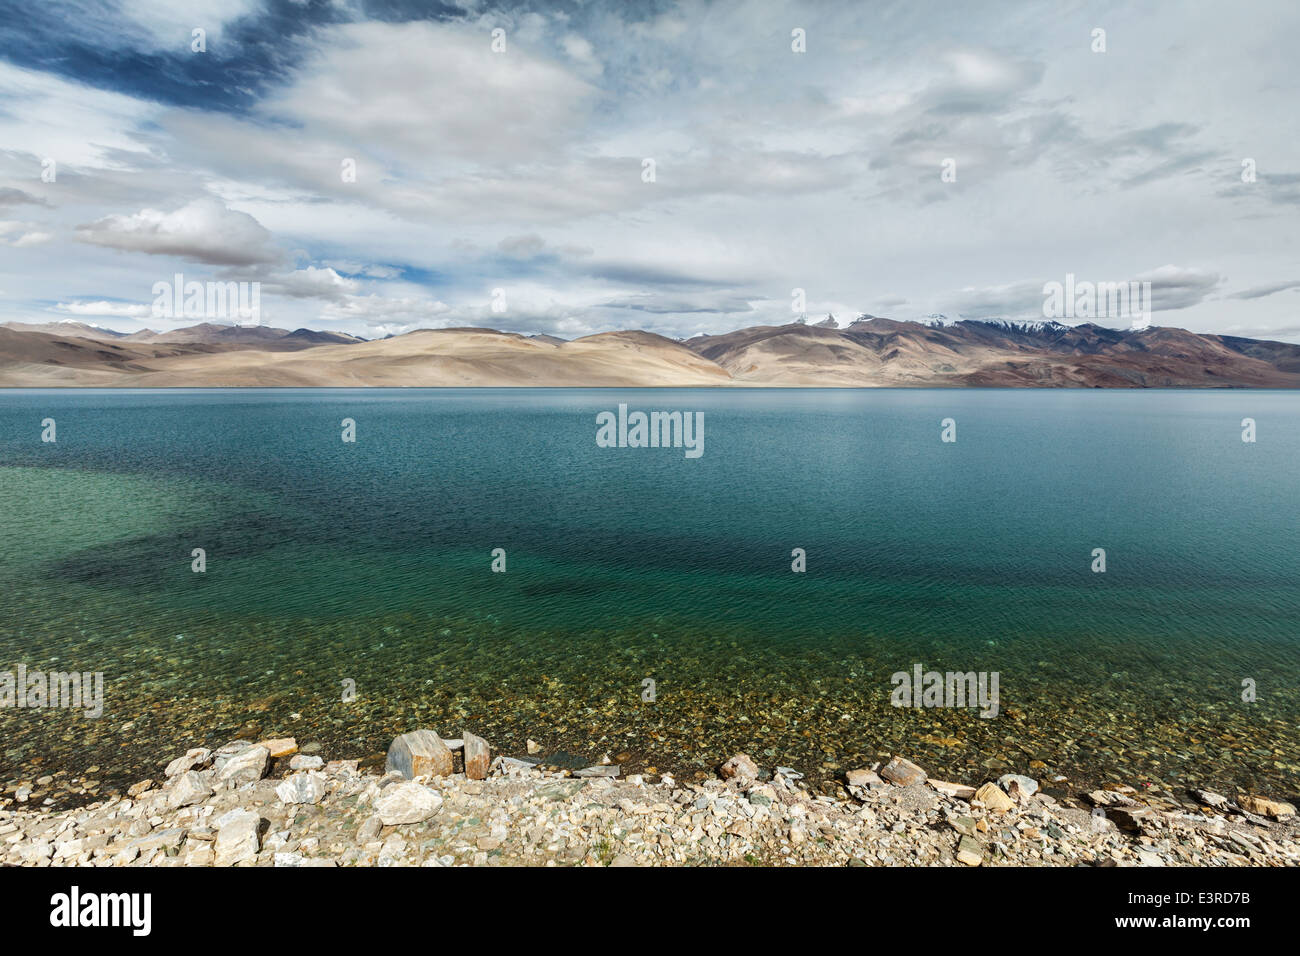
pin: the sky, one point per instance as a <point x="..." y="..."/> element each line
<point x="570" y="167"/>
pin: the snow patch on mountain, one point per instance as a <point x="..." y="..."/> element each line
<point x="1005" y="325"/>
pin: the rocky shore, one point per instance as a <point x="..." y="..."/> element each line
<point x="445" y="802"/>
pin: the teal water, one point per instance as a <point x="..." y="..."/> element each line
<point x="370" y="562"/>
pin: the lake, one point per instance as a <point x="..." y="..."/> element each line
<point x="368" y="564"/>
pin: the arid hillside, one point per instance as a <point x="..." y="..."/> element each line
<point x="870" y="352"/>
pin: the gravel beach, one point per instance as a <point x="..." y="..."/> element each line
<point x="262" y="803"/>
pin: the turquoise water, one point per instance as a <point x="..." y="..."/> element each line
<point x="370" y="562"/>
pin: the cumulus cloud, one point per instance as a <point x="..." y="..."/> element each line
<point x="203" y="230"/>
<point x="311" y="283"/>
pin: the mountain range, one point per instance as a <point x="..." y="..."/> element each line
<point x="871" y="351"/>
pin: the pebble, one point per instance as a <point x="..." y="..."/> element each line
<point x="523" y="814"/>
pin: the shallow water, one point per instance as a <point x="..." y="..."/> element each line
<point x="370" y="562"/>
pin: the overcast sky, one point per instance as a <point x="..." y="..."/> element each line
<point x="524" y="170"/>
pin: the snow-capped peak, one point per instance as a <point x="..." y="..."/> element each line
<point x="1024" y="325"/>
<point x="1006" y="325"/>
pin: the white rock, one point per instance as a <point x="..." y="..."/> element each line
<point x="513" y="765"/>
<point x="237" y="837"/>
<point x="188" y="788"/>
<point x="959" y="790"/>
<point x="195" y="759"/>
<point x="126" y="855"/>
<point x="246" y="766"/>
<point x="35" y="852"/>
<point x="1028" y="786"/>
<point x="407" y="803"/>
<point x="308" y="787"/>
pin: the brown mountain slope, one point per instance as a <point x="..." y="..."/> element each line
<point x="876" y="352"/>
<point x="38" y="359"/>
<point x="238" y="336"/>
<point x="810" y="355"/>
<point x="870" y="352"/>
<point x="66" y="328"/>
<point x="1283" y="356"/>
<point x="449" y="357"/>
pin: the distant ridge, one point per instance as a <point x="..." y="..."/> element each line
<point x="870" y="351"/>
<point x="66" y="327"/>
<point x="878" y="351"/>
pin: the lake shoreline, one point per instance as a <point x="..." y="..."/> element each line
<point x="452" y="802"/>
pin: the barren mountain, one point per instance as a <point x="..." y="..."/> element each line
<point x="39" y="359"/>
<point x="442" y="357"/>
<point x="256" y="337"/>
<point x="876" y="351"/>
<point x="870" y="352"/>
<point x="65" y="327"/>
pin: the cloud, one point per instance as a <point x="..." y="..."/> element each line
<point x="1259" y="292"/>
<point x="20" y="234"/>
<point x="979" y="81"/>
<point x="1175" y="288"/>
<point x="367" y="269"/>
<point x="1279" y="189"/>
<point x="456" y="98"/>
<point x="117" y="310"/>
<point x="10" y="196"/>
<point x="889" y="301"/>
<point x="1015" y="300"/>
<point x="522" y="247"/>
<point x="311" y="283"/>
<point x="203" y="230"/>
<point x="388" y="312"/>
<point x="774" y="170"/>
<point x="659" y="303"/>
<point x="580" y="50"/>
<point x="167" y="24"/>
<point x="1172" y="288"/>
